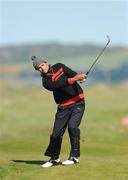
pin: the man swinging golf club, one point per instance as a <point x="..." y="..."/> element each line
<point x="69" y="97"/>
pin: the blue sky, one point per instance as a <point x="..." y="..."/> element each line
<point x="26" y="22"/>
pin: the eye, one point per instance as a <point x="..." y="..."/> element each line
<point x="41" y="65"/>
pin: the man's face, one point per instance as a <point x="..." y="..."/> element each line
<point x="43" y="68"/>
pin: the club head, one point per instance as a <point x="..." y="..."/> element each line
<point x="108" y="37"/>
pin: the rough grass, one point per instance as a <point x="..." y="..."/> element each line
<point x="26" y="120"/>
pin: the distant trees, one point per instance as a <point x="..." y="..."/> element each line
<point x="78" y="56"/>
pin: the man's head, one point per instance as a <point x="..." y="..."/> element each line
<point x="40" y="64"/>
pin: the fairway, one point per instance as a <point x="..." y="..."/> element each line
<point x="26" y="120"/>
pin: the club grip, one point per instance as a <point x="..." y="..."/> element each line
<point x="87" y="73"/>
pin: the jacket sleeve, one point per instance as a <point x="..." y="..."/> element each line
<point x="69" y="72"/>
<point x="61" y="82"/>
<point x="53" y="85"/>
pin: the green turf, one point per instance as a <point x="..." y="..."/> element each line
<point x="26" y="120"/>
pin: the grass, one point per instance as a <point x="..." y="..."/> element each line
<point x="26" y="120"/>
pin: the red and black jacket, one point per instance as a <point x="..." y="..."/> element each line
<point x="59" y="80"/>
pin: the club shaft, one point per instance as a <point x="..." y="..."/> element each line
<point x="97" y="57"/>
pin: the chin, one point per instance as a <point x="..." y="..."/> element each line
<point x="44" y="72"/>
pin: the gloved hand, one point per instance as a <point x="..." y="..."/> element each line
<point x="80" y="77"/>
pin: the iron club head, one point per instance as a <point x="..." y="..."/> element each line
<point x="108" y="37"/>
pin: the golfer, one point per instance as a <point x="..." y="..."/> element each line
<point x="69" y="97"/>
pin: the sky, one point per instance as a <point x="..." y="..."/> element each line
<point x="29" y="22"/>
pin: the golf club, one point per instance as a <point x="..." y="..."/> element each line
<point x="98" y="56"/>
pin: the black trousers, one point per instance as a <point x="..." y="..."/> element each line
<point x="69" y="116"/>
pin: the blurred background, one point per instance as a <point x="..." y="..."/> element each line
<point x="71" y="32"/>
